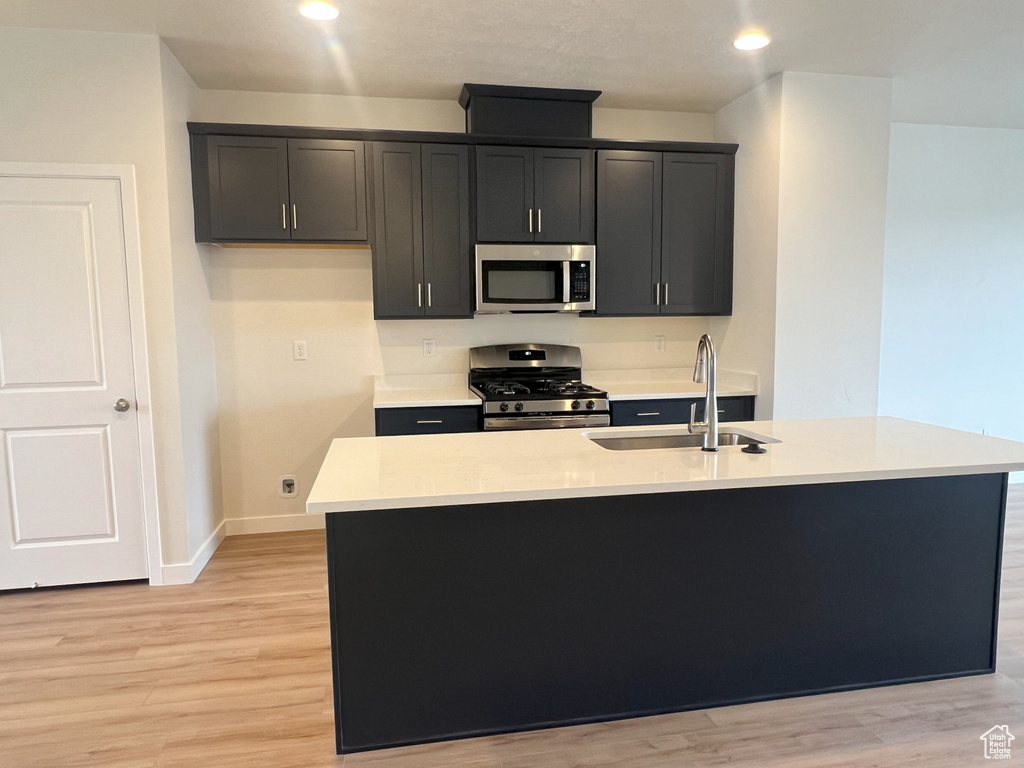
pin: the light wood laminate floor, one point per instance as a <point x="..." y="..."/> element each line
<point x="234" y="670"/>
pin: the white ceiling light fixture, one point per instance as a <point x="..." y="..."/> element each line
<point x="318" y="10"/>
<point x="751" y="41"/>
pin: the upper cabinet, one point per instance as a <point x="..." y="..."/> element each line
<point x="535" y="195"/>
<point x="422" y="254"/>
<point x="660" y="213"/>
<point x="255" y="189"/>
<point x="327" y="185"/>
<point x="664" y="237"/>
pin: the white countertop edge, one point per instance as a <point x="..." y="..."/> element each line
<point x="437" y="390"/>
<point x="426" y="400"/>
<point x="665" y="487"/>
<point x="636" y="393"/>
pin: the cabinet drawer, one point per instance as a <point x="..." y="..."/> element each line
<point x="427" y="421"/>
<point x="677" y="410"/>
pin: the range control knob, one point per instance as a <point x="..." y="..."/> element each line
<point x="575" y="405"/>
<point x="503" y="407"/>
<point x="519" y="406"/>
<point x="590" y="405"/>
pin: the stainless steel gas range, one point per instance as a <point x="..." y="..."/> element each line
<point x="535" y="386"/>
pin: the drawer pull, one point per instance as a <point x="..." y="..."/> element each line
<point x="430" y="421"/>
<point x="652" y="413"/>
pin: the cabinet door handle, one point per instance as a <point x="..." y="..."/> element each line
<point x="657" y="294"/>
<point x="295" y="217"/>
<point x="531" y="220"/>
<point x="284" y="216"/>
<point x="430" y="301"/>
<point x="666" y="294"/>
<point x="430" y="421"/>
<point x="650" y="413"/>
<point x="538" y="220"/>
<point x="419" y="294"/>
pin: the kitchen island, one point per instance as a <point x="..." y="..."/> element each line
<point x="483" y="583"/>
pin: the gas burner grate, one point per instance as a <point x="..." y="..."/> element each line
<point x="506" y="388"/>
<point x="569" y="388"/>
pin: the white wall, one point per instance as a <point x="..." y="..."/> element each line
<point x="197" y="383"/>
<point x="832" y="189"/>
<point x="82" y="97"/>
<point x="953" y="303"/>
<point x="278" y="416"/>
<point x="653" y="126"/>
<point x="322" y="111"/>
<point x="754" y="121"/>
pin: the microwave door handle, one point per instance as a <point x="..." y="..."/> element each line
<point x="565" y="282"/>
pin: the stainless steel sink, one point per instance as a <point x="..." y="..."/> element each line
<point x="672" y="440"/>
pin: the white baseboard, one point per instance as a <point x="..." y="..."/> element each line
<point x="186" y="573"/>
<point x="239" y="526"/>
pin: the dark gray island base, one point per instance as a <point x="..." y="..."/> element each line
<point x="458" y="621"/>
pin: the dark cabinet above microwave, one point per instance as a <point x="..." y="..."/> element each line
<point x="535" y="195"/>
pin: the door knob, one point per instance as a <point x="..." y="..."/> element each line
<point x="122" y="405"/>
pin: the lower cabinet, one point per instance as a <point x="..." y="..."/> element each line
<point x="627" y="413"/>
<point x="427" y="421"/>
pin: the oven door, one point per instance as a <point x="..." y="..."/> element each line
<point x="494" y="423"/>
<point x="518" y="278"/>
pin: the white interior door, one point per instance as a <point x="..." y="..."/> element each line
<point x="71" y="506"/>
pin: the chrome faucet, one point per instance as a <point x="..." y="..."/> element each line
<point x="705" y="371"/>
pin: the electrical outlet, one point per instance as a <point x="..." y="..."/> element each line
<point x="659" y="343"/>
<point x="299" y="350"/>
<point x="428" y="347"/>
<point x="287" y="487"/>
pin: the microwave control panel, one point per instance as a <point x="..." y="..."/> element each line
<point x="579" y="281"/>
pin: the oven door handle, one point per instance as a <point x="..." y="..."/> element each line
<point x="546" y="422"/>
<point x="565" y="282"/>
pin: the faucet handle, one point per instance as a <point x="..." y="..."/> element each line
<point x="692" y="427"/>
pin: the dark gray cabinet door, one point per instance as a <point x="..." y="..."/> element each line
<point x="563" y="195"/>
<point x="447" y="254"/>
<point x="628" y="232"/>
<point x="677" y="410"/>
<point x="428" y="420"/>
<point x="327" y="178"/>
<point x="248" y="179"/>
<point x="504" y="194"/>
<point x="696" y="247"/>
<point x="398" y="237"/>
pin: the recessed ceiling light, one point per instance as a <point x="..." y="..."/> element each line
<point x="319" y="10"/>
<point x="751" y="41"/>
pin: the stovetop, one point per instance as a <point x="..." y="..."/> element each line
<point x="536" y="389"/>
<point x="534" y="382"/>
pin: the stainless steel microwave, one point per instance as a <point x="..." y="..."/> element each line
<point x="534" y="278"/>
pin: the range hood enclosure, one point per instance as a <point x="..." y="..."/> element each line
<point x="506" y="110"/>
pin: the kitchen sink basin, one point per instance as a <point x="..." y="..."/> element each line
<point x="647" y="440"/>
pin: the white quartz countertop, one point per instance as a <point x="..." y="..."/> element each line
<point x="422" y="390"/>
<point x="366" y="473"/>
<point x="441" y="389"/>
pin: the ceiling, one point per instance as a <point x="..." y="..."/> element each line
<point x="952" y="61"/>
